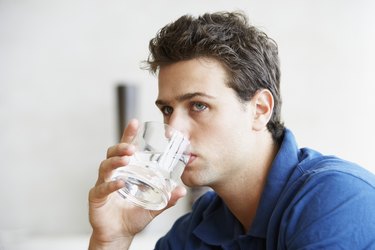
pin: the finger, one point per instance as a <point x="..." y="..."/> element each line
<point x="100" y="193"/>
<point x="120" y="149"/>
<point x="107" y="166"/>
<point x="130" y="131"/>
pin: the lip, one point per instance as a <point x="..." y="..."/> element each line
<point x="191" y="158"/>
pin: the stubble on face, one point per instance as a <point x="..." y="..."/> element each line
<point x="214" y="132"/>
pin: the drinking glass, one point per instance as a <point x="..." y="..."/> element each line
<point x="154" y="170"/>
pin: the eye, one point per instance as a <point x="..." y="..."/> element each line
<point x="166" y="110"/>
<point x="198" y="106"/>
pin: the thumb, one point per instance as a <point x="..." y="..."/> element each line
<point x="176" y="194"/>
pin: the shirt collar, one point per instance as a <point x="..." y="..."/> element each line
<point x="217" y="216"/>
<point x="281" y="169"/>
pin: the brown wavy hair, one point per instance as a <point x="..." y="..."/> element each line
<point x="249" y="56"/>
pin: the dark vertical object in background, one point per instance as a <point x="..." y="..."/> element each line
<point x="127" y="96"/>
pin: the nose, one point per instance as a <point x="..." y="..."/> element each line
<point x="180" y="123"/>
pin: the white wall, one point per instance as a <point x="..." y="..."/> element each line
<point x="60" y="62"/>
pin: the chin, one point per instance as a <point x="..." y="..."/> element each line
<point x="191" y="180"/>
<point x="188" y="179"/>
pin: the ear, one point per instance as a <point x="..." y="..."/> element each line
<point x="263" y="107"/>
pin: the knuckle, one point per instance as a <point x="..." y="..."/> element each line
<point x="115" y="161"/>
<point x="103" y="165"/>
<point x="119" y="150"/>
<point x="110" y="151"/>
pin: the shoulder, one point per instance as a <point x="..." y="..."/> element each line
<point x="335" y="184"/>
<point x="334" y="173"/>
<point x="329" y="181"/>
<point x="333" y="203"/>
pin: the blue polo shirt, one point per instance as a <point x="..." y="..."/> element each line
<point x="310" y="201"/>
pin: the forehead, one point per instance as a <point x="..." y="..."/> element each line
<point x="196" y="75"/>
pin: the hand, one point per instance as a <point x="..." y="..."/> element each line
<point x="113" y="219"/>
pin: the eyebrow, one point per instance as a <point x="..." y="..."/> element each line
<point x="185" y="97"/>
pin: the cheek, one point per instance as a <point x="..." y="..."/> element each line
<point x="229" y="140"/>
<point x="219" y="138"/>
<point x="218" y="142"/>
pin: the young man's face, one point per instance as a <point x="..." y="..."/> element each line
<point x="194" y="98"/>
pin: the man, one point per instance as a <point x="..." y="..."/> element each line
<point x="219" y="84"/>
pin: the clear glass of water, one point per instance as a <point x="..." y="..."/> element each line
<point x="161" y="154"/>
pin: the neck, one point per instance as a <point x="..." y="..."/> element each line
<point x="249" y="184"/>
